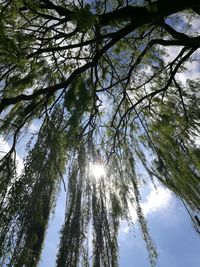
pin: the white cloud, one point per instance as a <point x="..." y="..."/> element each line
<point x="185" y="24"/>
<point x="4" y="148"/>
<point x="192" y="69"/>
<point x="157" y="201"/>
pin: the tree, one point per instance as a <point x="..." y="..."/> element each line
<point x="98" y="78"/>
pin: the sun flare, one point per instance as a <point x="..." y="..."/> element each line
<point x="98" y="170"/>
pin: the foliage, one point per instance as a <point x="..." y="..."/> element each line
<point x="102" y="78"/>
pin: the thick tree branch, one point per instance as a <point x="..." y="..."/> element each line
<point x="193" y="42"/>
<point x="144" y="14"/>
<point x="138" y="15"/>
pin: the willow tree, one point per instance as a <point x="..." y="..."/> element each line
<point x="101" y="80"/>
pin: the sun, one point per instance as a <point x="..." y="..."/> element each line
<point x="98" y="170"/>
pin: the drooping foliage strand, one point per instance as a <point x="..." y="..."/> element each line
<point x="29" y="198"/>
<point x="94" y="82"/>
